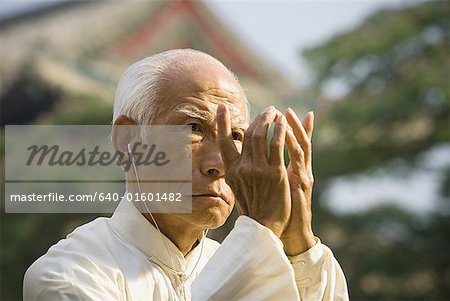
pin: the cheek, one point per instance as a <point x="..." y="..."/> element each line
<point x="195" y="155"/>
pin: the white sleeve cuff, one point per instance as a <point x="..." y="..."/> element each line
<point x="308" y="265"/>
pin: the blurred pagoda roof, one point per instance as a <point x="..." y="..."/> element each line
<point x="83" y="47"/>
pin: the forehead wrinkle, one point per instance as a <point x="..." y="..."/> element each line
<point x="194" y="111"/>
<point x="239" y="118"/>
<point x="240" y="123"/>
<point x="222" y="93"/>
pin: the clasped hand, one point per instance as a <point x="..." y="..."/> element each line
<point x="276" y="196"/>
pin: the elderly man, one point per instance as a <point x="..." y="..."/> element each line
<point x="271" y="254"/>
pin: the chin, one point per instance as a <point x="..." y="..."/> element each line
<point x="210" y="217"/>
<point x="216" y="219"/>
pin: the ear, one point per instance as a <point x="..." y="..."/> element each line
<point x="122" y="134"/>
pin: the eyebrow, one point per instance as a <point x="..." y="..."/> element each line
<point x="193" y="111"/>
<point x="197" y="113"/>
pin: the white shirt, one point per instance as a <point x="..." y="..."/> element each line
<point x="124" y="258"/>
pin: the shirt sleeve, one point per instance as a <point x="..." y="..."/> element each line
<point x="249" y="265"/>
<point x="48" y="279"/>
<point x="68" y="291"/>
<point x="318" y="275"/>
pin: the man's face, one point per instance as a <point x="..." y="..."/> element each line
<point x="191" y="98"/>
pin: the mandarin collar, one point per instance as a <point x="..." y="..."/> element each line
<point x="130" y="225"/>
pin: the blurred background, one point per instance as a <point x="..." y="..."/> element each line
<point x="376" y="75"/>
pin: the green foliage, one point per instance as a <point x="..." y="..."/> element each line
<point x="80" y="109"/>
<point x="25" y="237"/>
<point x="396" y="68"/>
<point x="384" y="41"/>
<point x="389" y="254"/>
<point x="27" y="96"/>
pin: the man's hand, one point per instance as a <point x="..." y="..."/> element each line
<point x="259" y="183"/>
<point x="298" y="237"/>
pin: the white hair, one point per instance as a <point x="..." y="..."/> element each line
<point x="141" y="84"/>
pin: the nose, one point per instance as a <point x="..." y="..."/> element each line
<point x="211" y="162"/>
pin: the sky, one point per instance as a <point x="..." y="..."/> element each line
<point x="284" y="28"/>
<point x="416" y="189"/>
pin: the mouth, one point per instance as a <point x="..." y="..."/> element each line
<point x="211" y="197"/>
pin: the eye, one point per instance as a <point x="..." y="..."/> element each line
<point x="195" y="127"/>
<point x="237" y="136"/>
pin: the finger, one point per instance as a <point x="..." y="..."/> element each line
<point x="308" y="123"/>
<point x="247" y="143"/>
<point x="295" y="152"/>
<point x="300" y="134"/>
<point x="259" y="136"/>
<point x="227" y="147"/>
<point x="278" y="140"/>
<point x="297" y="127"/>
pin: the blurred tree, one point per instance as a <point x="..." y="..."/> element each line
<point x="25" y="237"/>
<point x="26" y="97"/>
<point x="394" y="68"/>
